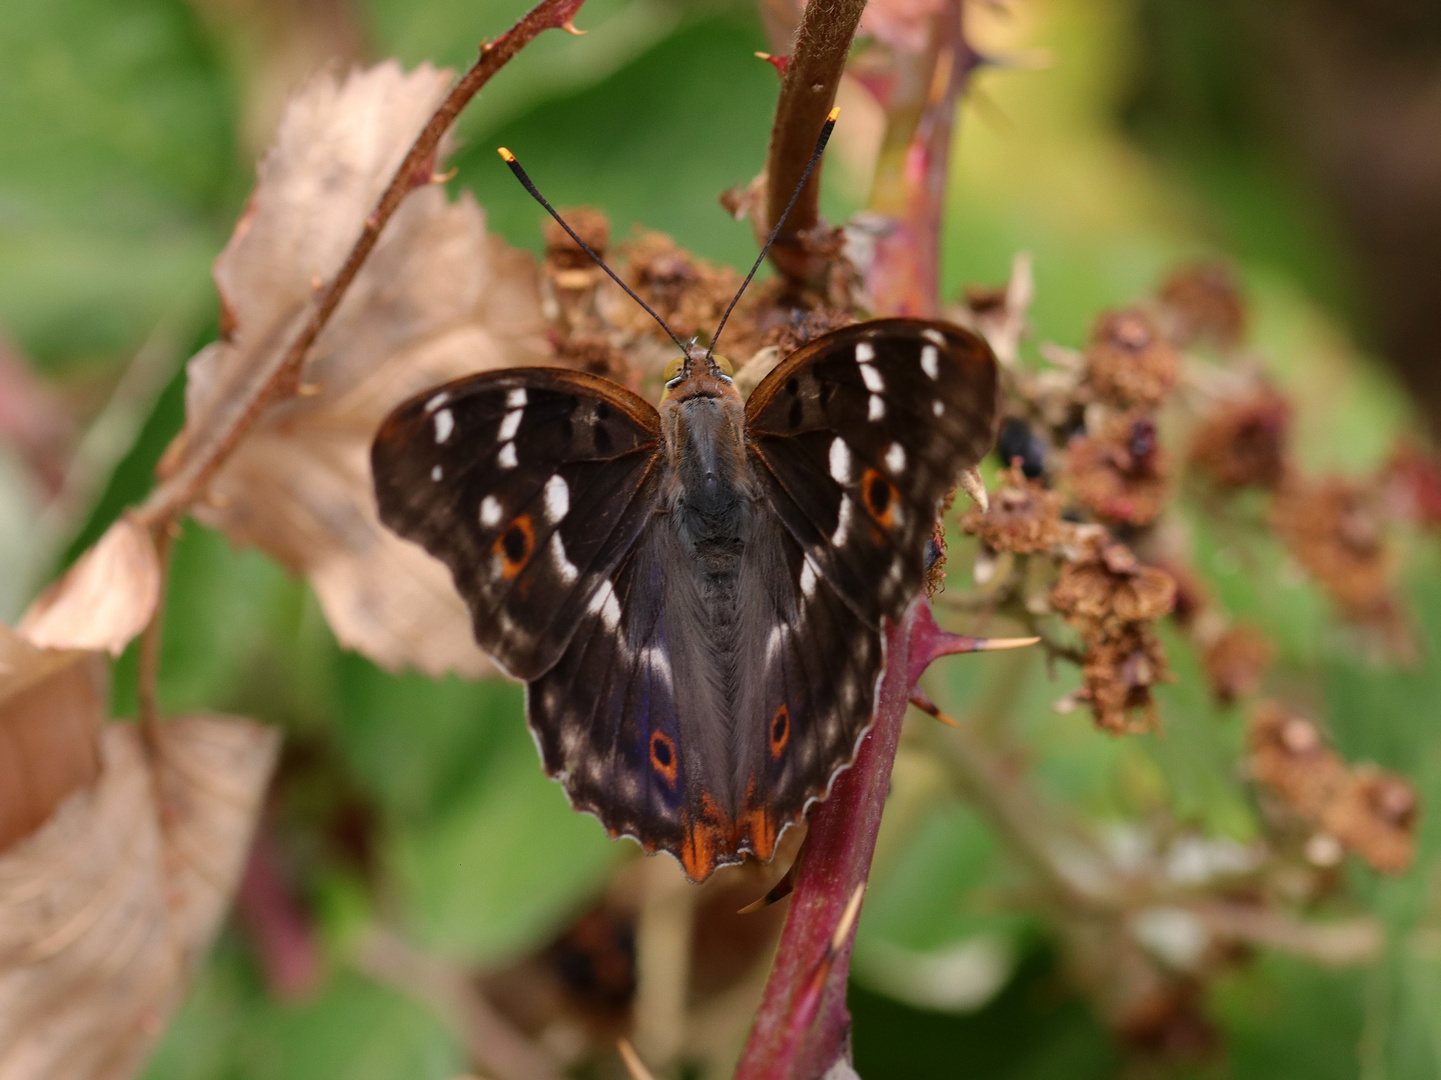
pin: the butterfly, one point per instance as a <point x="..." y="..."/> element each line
<point x="695" y="594"/>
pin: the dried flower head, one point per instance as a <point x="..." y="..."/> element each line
<point x="1121" y="473"/>
<point x="688" y="292"/>
<point x="1289" y="755"/>
<point x="1334" y="530"/>
<point x="1128" y="362"/>
<point x="1242" y="443"/>
<point x="1023" y="517"/>
<point x="1203" y="305"/>
<point x="562" y="253"/>
<point x="1235" y="661"/>
<point x="1374" y="814"/>
<point x="1118" y="674"/>
<point x="1109" y="586"/>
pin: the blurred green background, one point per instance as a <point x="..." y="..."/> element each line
<point x="1160" y="130"/>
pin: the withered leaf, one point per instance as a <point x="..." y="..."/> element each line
<point x="52" y="703"/>
<point x="437" y="299"/>
<point x="104" y="600"/>
<point x="105" y="907"/>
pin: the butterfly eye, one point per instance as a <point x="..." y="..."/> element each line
<point x="673" y="369"/>
<point x="727" y="368"/>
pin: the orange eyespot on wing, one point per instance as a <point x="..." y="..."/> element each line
<point x="515" y="546"/>
<point x="780" y="731"/>
<point x="880" y="496"/>
<point x="663" y="757"/>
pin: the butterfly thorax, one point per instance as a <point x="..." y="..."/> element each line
<point x="703" y="420"/>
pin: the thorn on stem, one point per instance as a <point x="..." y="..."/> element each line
<point x="569" y="27"/>
<point x="930" y="708"/>
<point x="975" y="487"/>
<point x="780" y="63"/>
<point x="633" y="1064"/>
<point x="779" y="891"/>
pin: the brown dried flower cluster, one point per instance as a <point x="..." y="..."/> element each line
<point x="1236" y="660"/>
<point x="1023" y="517"/>
<point x="1202" y="305"/>
<point x="1242" y="443"/>
<point x="1129" y="362"/>
<point x="1121" y="473"/>
<point x="1335" y="530"/>
<point x="1114" y="601"/>
<point x="1371" y="812"/>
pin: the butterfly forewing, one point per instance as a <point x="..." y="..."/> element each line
<point x="859" y="435"/>
<point x="530" y="484"/>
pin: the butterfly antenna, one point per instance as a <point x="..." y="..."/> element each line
<point x="825" y="135"/>
<point x="525" y="182"/>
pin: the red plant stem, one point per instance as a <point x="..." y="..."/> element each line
<point x="193" y="473"/>
<point x="803" y="1023"/>
<point x="910" y="186"/>
<point x="837" y="858"/>
<point x="808" y="90"/>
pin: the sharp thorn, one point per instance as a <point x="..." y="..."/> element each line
<point x="975" y="487"/>
<point x="779" y="891"/>
<point x="930" y="708"/>
<point x="569" y="27"/>
<point x="633" y="1064"/>
<point x="997" y="644"/>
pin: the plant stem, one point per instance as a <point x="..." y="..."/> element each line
<point x="818" y="59"/>
<point x="791" y="1041"/>
<point x="910" y="187"/>
<point x="147" y="668"/>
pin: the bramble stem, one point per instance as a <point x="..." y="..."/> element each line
<point x="808" y="91"/>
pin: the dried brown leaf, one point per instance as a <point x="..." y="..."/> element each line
<point x="105" y="908"/>
<point x="437" y="299"/>
<point x="104" y="600"/>
<point x="52" y="703"/>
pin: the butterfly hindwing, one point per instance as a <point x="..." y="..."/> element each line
<point x="530" y="484"/>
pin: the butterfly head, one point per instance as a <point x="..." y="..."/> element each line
<point x="698" y="373"/>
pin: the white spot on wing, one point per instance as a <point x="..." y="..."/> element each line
<point x="895" y="457"/>
<point x="436" y="472"/>
<point x="557" y="498"/>
<point x="509" y="425"/>
<point x="515" y="399"/>
<point x="437" y="401"/>
<point x="938" y="407"/>
<point x="774" y="641"/>
<point x="875" y="408"/>
<point x="490" y="511"/>
<point x="563" y="566"/>
<point x="657" y="661"/>
<point x="506" y="459"/>
<point x="843" y="522"/>
<point x="872" y="378"/>
<point x="930" y="333"/>
<point x="444" y="425"/>
<point x="840" y="461"/>
<point x="808" y="579"/>
<point x="605" y="604"/>
<point x="931" y="361"/>
<point x="865" y="352"/>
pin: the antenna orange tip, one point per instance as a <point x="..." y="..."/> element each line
<point x="505" y="155"/>
<point x="831" y="119"/>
